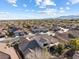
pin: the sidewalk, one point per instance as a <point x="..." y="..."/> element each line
<point x="8" y="50"/>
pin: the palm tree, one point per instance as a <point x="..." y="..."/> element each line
<point x="38" y="54"/>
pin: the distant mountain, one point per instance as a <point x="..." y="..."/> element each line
<point x="69" y="17"/>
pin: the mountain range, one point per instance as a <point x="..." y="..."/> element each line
<point x="69" y="17"/>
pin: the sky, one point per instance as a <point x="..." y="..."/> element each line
<point x="37" y="9"/>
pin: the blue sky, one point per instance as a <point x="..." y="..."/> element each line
<point x="36" y="9"/>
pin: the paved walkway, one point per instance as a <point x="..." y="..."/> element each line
<point x="8" y="50"/>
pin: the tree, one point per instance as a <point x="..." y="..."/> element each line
<point x="75" y="43"/>
<point x="52" y="50"/>
<point x="60" y="49"/>
<point x="71" y="35"/>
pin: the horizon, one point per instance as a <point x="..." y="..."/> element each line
<point x="37" y="9"/>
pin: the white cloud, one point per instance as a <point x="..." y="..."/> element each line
<point x="4" y="15"/>
<point x="44" y="3"/>
<point x="11" y="16"/>
<point x="4" y="12"/>
<point x="15" y="5"/>
<point x="24" y="5"/>
<point x="49" y="2"/>
<point x="27" y="10"/>
<point x="12" y="1"/>
<point x="61" y="8"/>
<point x="49" y="12"/>
<point x="68" y="3"/>
<point x="74" y="1"/>
<point x="42" y="7"/>
<point x="32" y="10"/>
<point x="38" y="2"/>
<point x="67" y="8"/>
<point x="62" y="11"/>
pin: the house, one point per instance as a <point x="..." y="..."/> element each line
<point x="16" y="47"/>
<point x="39" y="29"/>
<point x="42" y="42"/>
<point x="59" y="29"/>
<point x="36" y="42"/>
<point x="55" y="28"/>
<point x="63" y="30"/>
<point x="19" y="33"/>
<point x="55" y="44"/>
<point x="31" y="34"/>
<point x="2" y="35"/>
<point x="75" y="33"/>
<point x="28" y="46"/>
<point x="49" y="33"/>
<point x="48" y="38"/>
<point x="73" y="27"/>
<point x="2" y="39"/>
<point x="12" y="29"/>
